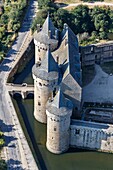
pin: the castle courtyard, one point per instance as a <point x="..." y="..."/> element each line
<point x="100" y="89"/>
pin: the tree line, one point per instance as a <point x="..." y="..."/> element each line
<point x="3" y="165"/>
<point x="88" y="23"/>
<point x="11" y="15"/>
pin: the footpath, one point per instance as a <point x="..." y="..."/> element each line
<point x="16" y="152"/>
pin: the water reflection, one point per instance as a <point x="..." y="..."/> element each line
<point x="26" y="75"/>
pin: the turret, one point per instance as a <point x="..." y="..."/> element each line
<point x="45" y="37"/>
<point x="46" y="76"/>
<point x="58" y="113"/>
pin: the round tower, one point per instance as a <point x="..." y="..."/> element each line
<point x="45" y="75"/>
<point x="58" y="113"/>
<point x="44" y="37"/>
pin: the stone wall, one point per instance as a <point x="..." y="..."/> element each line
<point x="41" y="49"/>
<point x="43" y="91"/>
<point x="98" y="53"/>
<point x="58" y="132"/>
<point x="90" y="135"/>
<point x="23" y="59"/>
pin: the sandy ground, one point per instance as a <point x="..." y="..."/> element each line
<point x="100" y="89"/>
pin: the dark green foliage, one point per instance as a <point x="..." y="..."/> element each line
<point x="10" y="21"/>
<point x="82" y="19"/>
<point x="101" y="19"/>
<point x="3" y="165"/>
<point x="44" y="3"/>
<point x="96" y="23"/>
<point x="40" y="18"/>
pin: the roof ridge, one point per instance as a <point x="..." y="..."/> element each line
<point x="48" y="26"/>
<point x="59" y="100"/>
<point x="48" y="63"/>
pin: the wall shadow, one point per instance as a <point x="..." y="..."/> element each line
<point x="14" y="164"/>
<point x="9" y="139"/>
<point x="6" y="128"/>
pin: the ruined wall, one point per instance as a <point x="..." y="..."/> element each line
<point x="28" y="53"/>
<point x="89" y="135"/>
<point x="98" y="53"/>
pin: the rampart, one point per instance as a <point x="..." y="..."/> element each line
<point x="23" y="57"/>
<point x="97" y="53"/>
<point x="90" y="135"/>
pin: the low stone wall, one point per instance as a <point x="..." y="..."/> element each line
<point x="97" y="53"/>
<point x="24" y="58"/>
<point x="90" y="135"/>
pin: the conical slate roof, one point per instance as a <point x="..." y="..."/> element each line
<point x="48" y="63"/>
<point x="59" y="100"/>
<point x="48" y="26"/>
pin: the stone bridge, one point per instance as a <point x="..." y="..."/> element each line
<point x="22" y="89"/>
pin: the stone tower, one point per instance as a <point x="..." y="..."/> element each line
<point x="58" y="113"/>
<point x="45" y="37"/>
<point x="46" y="76"/>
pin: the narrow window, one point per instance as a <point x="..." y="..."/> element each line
<point x="54" y="92"/>
<point x="77" y="131"/>
<point x="55" y="129"/>
<point x="39" y="103"/>
<point x="40" y="84"/>
<point x="57" y="58"/>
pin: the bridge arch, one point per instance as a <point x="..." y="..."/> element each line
<point x="16" y="95"/>
<point x="30" y="95"/>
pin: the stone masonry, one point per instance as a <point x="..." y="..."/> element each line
<point x="58" y="91"/>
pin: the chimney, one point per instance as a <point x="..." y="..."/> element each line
<point x="65" y="26"/>
<point x="49" y="33"/>
<point x="56" y="34"/>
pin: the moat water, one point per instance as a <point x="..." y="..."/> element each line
<point x="36" y="135"/>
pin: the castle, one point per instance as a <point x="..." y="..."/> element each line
<point x="58" y="93"/>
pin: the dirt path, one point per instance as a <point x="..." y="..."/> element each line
<point x="89" y="4"/>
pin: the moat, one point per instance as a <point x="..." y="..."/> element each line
<point x="73" y="159"/>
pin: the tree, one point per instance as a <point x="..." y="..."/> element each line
<point x="4" y="18"/>
<point x="3" y="165"/>
<point x="82" y="19"/>
<point x="16" y="27"/>
<point x="44" y="3"/>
